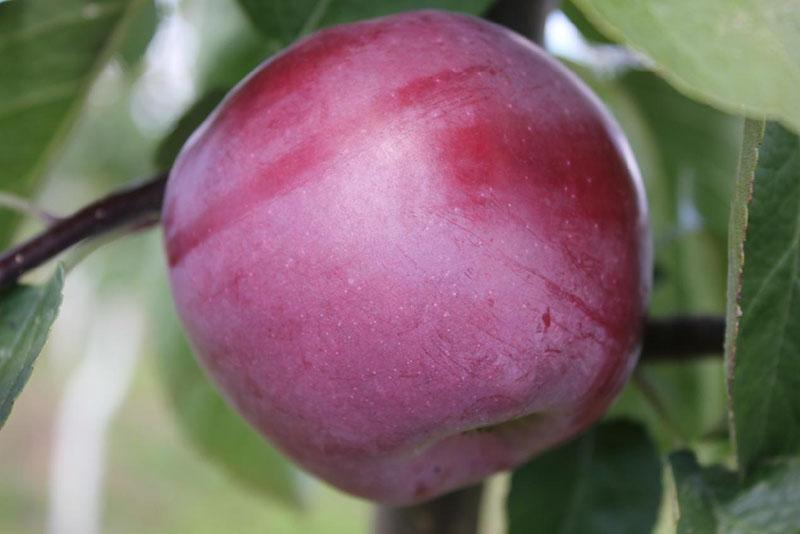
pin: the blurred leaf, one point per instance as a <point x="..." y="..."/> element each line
<point x="26" y="314"/>
<point x="231" y="49"/>
<point x="607" y="480"/>
<point x="689" y="205"/>
<point x="587" y="29"/>
<point x="139" y="34"/>
<point x="699" y="145"/>
<point x="231" y="45"/>
<point x="744" y="58"/>
<point x="286" y="20"/>
<point x="764" y="348"/>
<point x="106" y="148"/>
<point x="168" y="150"/>
<point x="700" y="492"/>
<point x="713" y="499"/>
<point x="213" y="426"/>
<point x="232" y="62"/>
<point x="50" y="53"/>
<point x="678" y="401"/>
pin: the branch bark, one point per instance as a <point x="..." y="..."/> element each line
<point x="454" y="513"/>
<point x="526" y="17"/>
<point x="683" y="337"/>
<point x="139" y="205"/>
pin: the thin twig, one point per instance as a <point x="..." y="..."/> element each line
<point x="139" y="205"/>
<point x="454" y="513"/>
<point x="648" y="391"/>
<point x="20" y="205"/>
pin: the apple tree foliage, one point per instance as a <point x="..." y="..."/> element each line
<point x="709" y="96"/>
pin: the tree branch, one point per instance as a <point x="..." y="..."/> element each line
<point x="526" y="17"/>
<point x="139" y="205"/>
<point x="683" y="337"/>
<point x="454" y="513"/>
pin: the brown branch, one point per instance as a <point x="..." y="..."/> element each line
<point x="454" y="513"/>
<point x="139" y="205"/>
<point x="526" y="17"/>
<point x="683" y="337"/>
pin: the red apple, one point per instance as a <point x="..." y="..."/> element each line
<point x="411" y="252"/>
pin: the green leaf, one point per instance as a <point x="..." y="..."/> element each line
<point x="26" y="314"/>
<point x="50" y="53"/>
<point x="213" y="426"/>
<point x="587" y="29"/>
<point x="678" y="401"/>
<point x="607" y="480"/>
<point x="139" y="34"/>
<point x="763" y="349"/>
<point x="168" y="150"/>
<point x="286" y="20"/>
<point x="713" y="499"/>
<point x="699" y="492"/>
<point x="743" y="57"/>
<point x="689" y="201"/>
<point x="699" y="145"/>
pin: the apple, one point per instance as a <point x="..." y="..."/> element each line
<point x="411" y="252"/>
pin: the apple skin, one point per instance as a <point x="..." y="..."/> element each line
<point x="411" y="252"/>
